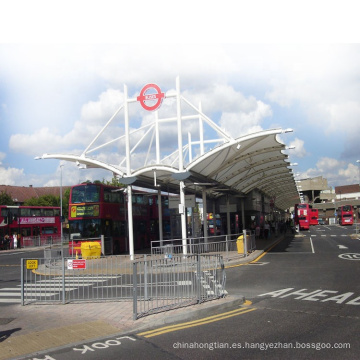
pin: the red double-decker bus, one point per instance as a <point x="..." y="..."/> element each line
<point x="345" y="215"/>
<point x="32" y="225"/>
<point x="314" y="215"/>
<point x="97" y="210"/>
<point x="302" y="216"/>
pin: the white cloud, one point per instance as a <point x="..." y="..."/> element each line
<point x="2" y="157"/>
<point x="11" y="176"/>
<point x="336" y="172"/>
<point x="323" y="81"/>
<point x="39" y="142"/>
<point x="61" y="96"/>
<point x="299" y="150"/>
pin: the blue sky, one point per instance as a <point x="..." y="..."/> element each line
<point x="59" y="85"/>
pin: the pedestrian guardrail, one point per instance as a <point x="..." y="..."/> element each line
<point x="226" y="245"/>
<point x="43" y="240"/>
<point x="163" y="284"/>
<point x="151" y="283"/>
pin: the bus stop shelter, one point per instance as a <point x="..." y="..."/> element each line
<point x="207" y="162"/>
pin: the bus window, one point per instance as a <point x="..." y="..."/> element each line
<point x="35" y="212"/>
<point x="48" y="212"/>
<point x="26" y="231"/>
<point x="25" y="212"/>
<point x="48" y="230"/>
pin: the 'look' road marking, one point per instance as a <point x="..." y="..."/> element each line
<point x="207" y="320"/>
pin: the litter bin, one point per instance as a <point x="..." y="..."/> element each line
<point x="240" y="244"/>
<point x="90" y="250"/>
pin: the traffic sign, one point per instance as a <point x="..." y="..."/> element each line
<point x="76" y="264"/>
<point x="156" y="97"/>
<point x="32" y="264"/>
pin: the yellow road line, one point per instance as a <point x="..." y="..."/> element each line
<point x="258" y="258"/>
<point x="9" y="265"/>
<point x="207" y="320"/>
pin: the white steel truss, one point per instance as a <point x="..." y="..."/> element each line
<point x="238" y="165"/>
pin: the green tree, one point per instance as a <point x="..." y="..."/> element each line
<point x="114" y="182"/>
<point x="65" y="203"/>
<point x="45" y="200"/>
<point x="51" y="200"/>
<point x="6" y="199"/>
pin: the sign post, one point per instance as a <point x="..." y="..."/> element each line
<point x="155" y="99"/>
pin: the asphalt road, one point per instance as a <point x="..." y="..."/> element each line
<point x="303" y="302"/>
<point x="10" y="270"/>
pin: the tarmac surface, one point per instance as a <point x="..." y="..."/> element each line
<point x="30" y="330"/>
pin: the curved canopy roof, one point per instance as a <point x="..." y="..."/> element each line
<point x="235" y="166"/>
<point x="250" y="162"/>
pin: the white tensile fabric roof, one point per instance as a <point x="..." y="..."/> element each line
<point x="236" y="167"/>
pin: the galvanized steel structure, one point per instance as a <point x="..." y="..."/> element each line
<point x="234" y="166"/>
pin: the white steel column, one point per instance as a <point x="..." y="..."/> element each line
<point x="201" y="132"/>
<point x="128" y="173"/>
<point x="181" y="166"/>
<point x="157" y="137"/>
<point x="190" y="147"/>
<point x="182" y="210"/>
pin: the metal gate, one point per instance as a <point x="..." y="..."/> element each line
<point x="175" y="281"/>
<point x="152" y="283"/>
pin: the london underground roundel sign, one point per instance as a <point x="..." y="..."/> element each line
<point x="153" y="100"/>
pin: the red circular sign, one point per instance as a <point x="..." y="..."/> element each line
<point x="157" y="97"/>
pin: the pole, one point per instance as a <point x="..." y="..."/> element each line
<point x="61" y="213"/>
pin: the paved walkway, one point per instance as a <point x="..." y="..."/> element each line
<point x="26" y="330"/>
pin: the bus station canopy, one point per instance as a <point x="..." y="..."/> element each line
<point x="236" y="167"/>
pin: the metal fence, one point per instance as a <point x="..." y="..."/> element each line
<point x="43" y="240"/>
<point x="151" y="283"/>
<point x="226" y="245"/>
<point x="164" y="284"/>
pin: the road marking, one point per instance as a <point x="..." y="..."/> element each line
<point x="9" y="293"/>
<point x="350" y="256"/>
<point x="317" y="295"/>
<point x="50" y="287"/>
<point x="186" y="325"/>
<point x="342" y="247"/>
<point x="13" y="253"/>
<point x="312" y="246"/>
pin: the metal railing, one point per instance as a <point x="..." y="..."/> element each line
<point x="41" y="240"/>
<point x="226" y="245"/>
<point x="164" y="284"/>
<point x="151" y="283"/>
